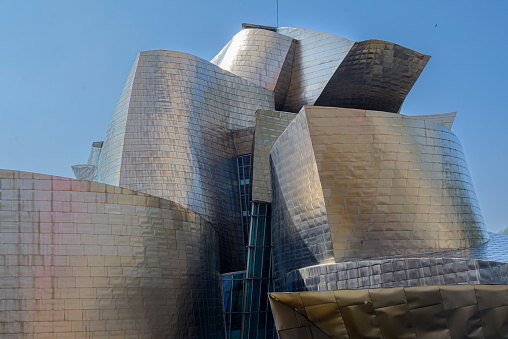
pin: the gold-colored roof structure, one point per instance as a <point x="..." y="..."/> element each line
<point x="455" y="311"/>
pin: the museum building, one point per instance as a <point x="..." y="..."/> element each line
<point x="274" y="191"/>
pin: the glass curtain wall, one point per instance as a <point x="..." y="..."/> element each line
<point x="232" y="290"/>
<point x="257" y="319"/>
<point x="246" y="308"/>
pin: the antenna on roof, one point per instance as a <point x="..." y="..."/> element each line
<point x="277" y="13"/>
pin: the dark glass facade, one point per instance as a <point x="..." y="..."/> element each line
<point x="232" y="291"/>
<point x="244" y="165"/>
<point x="257" y="318"/>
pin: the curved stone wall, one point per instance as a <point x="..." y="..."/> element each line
<point x="82" y="259"/>
<point x="391" y="185"/>
<point x="178" y="143"/>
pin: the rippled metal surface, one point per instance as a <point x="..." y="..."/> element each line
<point x="439" y="268"/>
<point x="177" y="142"/>
<point x="390" y="184"/>
<point x="467" y="311"/>
<point x="269" y="126"/>
<point x="81" y="259"/>
<point x="376" y="75"/>
<point x="317" y="57"/>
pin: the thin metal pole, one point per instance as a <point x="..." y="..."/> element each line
<point x="277" y="13"/>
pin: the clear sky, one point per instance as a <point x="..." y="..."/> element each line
<point x="63" y="65"/>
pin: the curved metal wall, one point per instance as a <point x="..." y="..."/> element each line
<point x="317" y="57"/>
<point x="178" y="142"/>
<point x="82" y="259"/>
<point x="301" y="234"/>
<point x="391" y="184"/>
<point x="108" y="167"/>
<point x="376" y="75"/>
<point x="256" y="55"/>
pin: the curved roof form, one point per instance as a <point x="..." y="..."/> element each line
<point x="375" y="75"/>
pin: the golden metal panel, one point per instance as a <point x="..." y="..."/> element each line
<point x="436" y="317"/>
<point x="407" y="190"/>
<point x="141" y="267"/>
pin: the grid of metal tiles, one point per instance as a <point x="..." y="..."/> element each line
<point x="81" y="259"/>
<point x="391" y="184"/>
<point x="108" y="168"/>
<point x="317" y="57"/>
<point x="256" y="55"/>
<point x="376" y="75"/>
<point x="394" y="272"/>
<point x="445" y="119"/>
<point x="269" y="126"/>
<point x="461" y="311"/>
<point x="301" y="234"/>
<point x="178" y="142"/>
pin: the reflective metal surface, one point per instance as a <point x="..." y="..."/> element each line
<point x="87" y="260"/>
<point x="269" y="126"/>
<point x="256" y="55"/>
<point x="317" y="57"/>
<point x="375" y="75"/>
<point x="380" y="183"/>
<point x="461" y="311"/>
<point x="445" y="120"/>
<point x="393" y="272"/>
<point x="177" y="142"/>
<point x="301" y="232"/>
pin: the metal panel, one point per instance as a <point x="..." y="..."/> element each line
<point x="391" y="185"/>
<point x="317" y="57"/>
<point x="269" y="126"/>
<point x="256" y="55"/>
<point x="484" y="264"/>
<point x="178" y="141"/>
<point x="301" y="234"/>
<point x="445" y="119"/>
<point x="82" y="259"/>
<point x="375" y="75"/>
<point x="414" y="312"/>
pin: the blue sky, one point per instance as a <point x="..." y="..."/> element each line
<point x="63" y="65"/>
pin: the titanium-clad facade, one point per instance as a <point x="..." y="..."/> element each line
<point x="380" y="183"/>
<point x="177" y="141"/>
<point x="256" y="55"/>
<point x="229" y="173"/>
<point x="376" y="75"/>
<point x="81" y="259"/>
<point x="414" y="312"/>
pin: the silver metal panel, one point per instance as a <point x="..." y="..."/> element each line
<point x="269" y="126"/>
<point x="445" y="119"/>
<point x="108" y="169"/>
<point x="375" y="75"/>
<point x="391" y="185"/>
<point x="483" y="264"/>
<point x="317" y="57"/>
<point x="256" y="55"/>
<point x="81" y="259"/>
<point x="178" y="140"/>
<point x="300" y="232"/>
